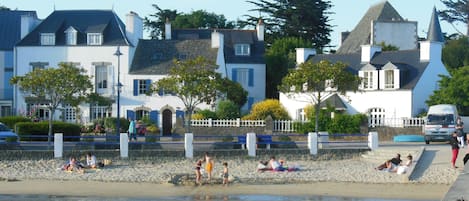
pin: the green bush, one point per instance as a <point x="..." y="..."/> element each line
<point x="340" y="124"/>
<point x="10" y="121"/>
<point x="110" y="125"/>
<point x="227" y="110"/>
<point x="207" y="114"/>
<point x="42" y="128"/>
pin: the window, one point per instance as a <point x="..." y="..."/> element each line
<point x="70" y="113"/>
<point x="141" y="87"/>
<point x="38" y="65"/>
<point x="71" y="36"/>
<point x="47" y="39"/>
<point x="99" y="112"/>
<point x="243" y="76"/>
<point x="376" y="117"/>
<point x="101" y="79"/>
<point x="367" y="80"/>
<point x="242" y="50"/>
<point x="95" y="39"/>
<point x="389" y="79"/>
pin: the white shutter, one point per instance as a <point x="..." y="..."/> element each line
<point x="396" y="79"/>
<point x="375" y="79"/>
<point x="362" y="76"/>
<point x="112" y="83"/>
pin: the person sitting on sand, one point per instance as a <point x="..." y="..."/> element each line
<point x="91" y="161"/>
<point x="275" y="165"/>
<point x="73" y="165"/>
<point x="402" y="169"/>
<point x="395" y="161"/>
<point x="263" y="166"/>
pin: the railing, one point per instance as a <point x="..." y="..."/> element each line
<point x="227" y="123"/>
<point x="396" y="122"/>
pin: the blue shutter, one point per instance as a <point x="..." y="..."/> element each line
<point x="147" y="85"/>
<point x="130" y="114"/>
<point x="160" y="92"/>
<point x="154" y="116"/>
<point x="251" y="77"/>
<point x="234" y="75"/>
<point x="135" y="87"/>
<point x="180" y="114"/>
<point x="250" y="102"/>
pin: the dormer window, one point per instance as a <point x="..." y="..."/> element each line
<point x="369" y="76"/>
<point x="47" y="39"/>
<point x="71" y="36"/>
<point x="389" y="76"/>
<point x="242" y="50"/>
<point x="95" y="38"/>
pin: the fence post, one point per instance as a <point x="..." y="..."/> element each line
<point x="188" y="145"/>
<point x="251" y="144"/>
<point x="373" y="142"/>
<point x="124" y="145"/>
<point x="313" y="143"/>
<point x="58" y="145"/>
<point x="210" y="122"/>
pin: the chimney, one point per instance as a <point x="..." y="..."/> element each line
<point x="134" y="27"/>
<point x="28" y="22"/>
<point x="167" y="29"/>
<point x="217" y="39"/>
<point x="368" y="51"/>
<point x="260" y="29"/>
<point x="302" y="54"/>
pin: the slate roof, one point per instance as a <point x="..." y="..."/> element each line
<point x="406" y="60"/>
<point x="155" y="56"/>
<point x="84" y="21"/>
<point x="361" y="34"/>
<point x="434" y="30"/>
<point x="335" y="101"/>
<point x="10" y="27"/>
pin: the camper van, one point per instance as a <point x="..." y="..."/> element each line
<point x="440" y="122"/>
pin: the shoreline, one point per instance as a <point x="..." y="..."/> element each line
<point x="152" y="190"/>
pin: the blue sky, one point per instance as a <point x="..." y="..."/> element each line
<point x="347" y="12"/>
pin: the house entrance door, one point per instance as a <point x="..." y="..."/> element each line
<point x="167" y="122"/>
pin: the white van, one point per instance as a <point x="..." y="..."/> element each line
<point x="440" y="122"/>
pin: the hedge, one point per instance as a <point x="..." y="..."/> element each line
<point x="10" y="121"/>
<point x="42" y="128"/>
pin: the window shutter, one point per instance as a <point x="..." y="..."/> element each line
<point x="154" y="116"/>
<point x="375" y="80"/>
<point x="130" y="114"/>
<point x="250" y="102"/>
<point x="147" y="85"/>
<point x="180" y="114"/>
<point x="251" y="77"/>
<point x="234" y="74"/>
<point x="160" y="92"/>
<point x="135" y="87"/>
<point x="397" y="83"/>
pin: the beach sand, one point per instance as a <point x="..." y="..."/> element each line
<point x="151" y="190"/>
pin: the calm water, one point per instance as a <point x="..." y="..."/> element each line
<point x="192" y="198"/>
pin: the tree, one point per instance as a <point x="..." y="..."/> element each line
<point x="306" y="19"/>
<point x="227" y="110"/>
<point x="457" y="11"/>
<point x="279" y="58"/>
<point x="199" y="19"/>
<point x="387" y="47"/>
<point x="194" y="81"/>
<point x="234" y="92"/>
<point x="4" y="7"/>
<point x="313" y="81"/>
<point x="456" y="53"/>
<point x="453" y="89"/>
<point x="66" y="84"/>
<point x="268" y="107"/>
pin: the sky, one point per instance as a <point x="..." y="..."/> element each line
<point x="347" y="13"/>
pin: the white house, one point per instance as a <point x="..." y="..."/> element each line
<point x="395" y="84"/>
<point x="90" y="39"/>
<point x="15" y="24"/>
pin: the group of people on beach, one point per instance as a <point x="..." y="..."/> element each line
<point x="209" y="169"/>
<point x="74" y="165"/>
<point x="275" y="165"/>
<point x="396" y="165"/>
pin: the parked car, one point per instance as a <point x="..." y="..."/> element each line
<point x="7" y="133"/>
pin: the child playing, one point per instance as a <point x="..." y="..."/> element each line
<point x="198" y="175"/>
<point x="225" y="173"/>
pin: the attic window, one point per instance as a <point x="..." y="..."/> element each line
<point x="389" y="79"/>
<point x="242" y="50"/>
<point x="95" y="38"/>
<point x="71" y="36"/>
<point x="47" y="39"/>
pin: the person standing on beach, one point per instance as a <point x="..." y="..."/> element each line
<point x="225" y="174"/>
<point x="132" y="130"/>
<point x="459" y="129"/>
<point x="208" y="166"/>
<point x="198" y="175"/>
<point x="453" y="141"/>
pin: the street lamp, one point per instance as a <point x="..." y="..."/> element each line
<point x="118" y="53"/>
